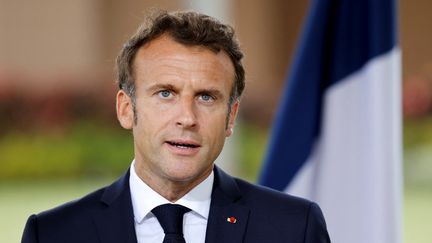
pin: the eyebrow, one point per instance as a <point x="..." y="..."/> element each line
<point x="159" y="86"/>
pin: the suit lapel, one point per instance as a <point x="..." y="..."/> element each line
<point x="227" y="218"/>
<point x="115" y="220"/>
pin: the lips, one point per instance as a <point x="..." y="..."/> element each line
<point x="183" y="144"/>
<point x="183" y="147"/>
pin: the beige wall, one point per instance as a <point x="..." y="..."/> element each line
<point x="67" y="44"/>
<point x="49" y="35"/>
<point x="268" y="33"/>
<point x="81" y="38"/>
<point x="416" y="37"/>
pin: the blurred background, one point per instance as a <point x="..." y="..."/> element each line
<point x="59" y="137"/>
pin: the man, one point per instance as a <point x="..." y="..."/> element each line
<point x="181" y="79"/>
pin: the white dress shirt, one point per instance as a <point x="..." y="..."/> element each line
<point x="144" y="199"/>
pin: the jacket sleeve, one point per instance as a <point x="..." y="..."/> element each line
<point x="30" y="231"/>
<point x="316" y="229"/>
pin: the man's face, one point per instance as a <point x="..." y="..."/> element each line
<point x="182" y="96"/>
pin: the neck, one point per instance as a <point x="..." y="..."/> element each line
<point x="172" y="190"/>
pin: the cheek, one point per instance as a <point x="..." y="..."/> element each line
<point x="151" y="113"/>
<point x="149" y="125"/>
<point x="214" y="126"/>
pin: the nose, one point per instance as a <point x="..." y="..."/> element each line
<point x="187" y="114"/>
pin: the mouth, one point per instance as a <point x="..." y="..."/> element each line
<point x="183" y="144"/>
<point x="183" y="147"/>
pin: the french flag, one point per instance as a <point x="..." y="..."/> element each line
<point x="336" y="138"/>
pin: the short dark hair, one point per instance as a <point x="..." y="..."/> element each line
<point x="188" y="28"/>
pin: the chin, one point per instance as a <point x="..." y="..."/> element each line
<point x="182" y="174"/>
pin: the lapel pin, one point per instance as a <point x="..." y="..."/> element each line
<point x="231" y="220"/>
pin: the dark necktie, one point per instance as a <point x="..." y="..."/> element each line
<point x="170" y="217"/>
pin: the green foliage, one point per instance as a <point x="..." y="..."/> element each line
<point x="417" y="132"/>
<point x="418" y="153"/>
<point x="86" y="148"/>
<point x="252" y="146"/>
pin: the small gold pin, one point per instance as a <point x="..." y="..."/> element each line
<point x="231" y="220"/>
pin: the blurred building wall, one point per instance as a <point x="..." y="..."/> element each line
<point x="50" y="35"/>
<point x="416" y="37"/>
<point x="74" y="43"/>
<point x="269" y="33"/>
<point x="71" y="44"/>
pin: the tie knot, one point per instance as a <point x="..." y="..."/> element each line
<point x="170" y="217"/>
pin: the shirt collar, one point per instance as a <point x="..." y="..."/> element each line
<point x="144" y="198"/>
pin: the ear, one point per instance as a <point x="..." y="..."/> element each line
<point x="124" y="110"/>
<point x="231" y="119"/>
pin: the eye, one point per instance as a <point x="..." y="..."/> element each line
<point x="206" y="97"/>
<point x="165" y="93"/>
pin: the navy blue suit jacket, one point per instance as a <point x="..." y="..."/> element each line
<point x="262" y="215"/>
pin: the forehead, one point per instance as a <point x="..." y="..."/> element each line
<point x="164" y="56"/>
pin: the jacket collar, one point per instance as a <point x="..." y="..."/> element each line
<point x="227" y="219"/>
<point x="115" y="220"/>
